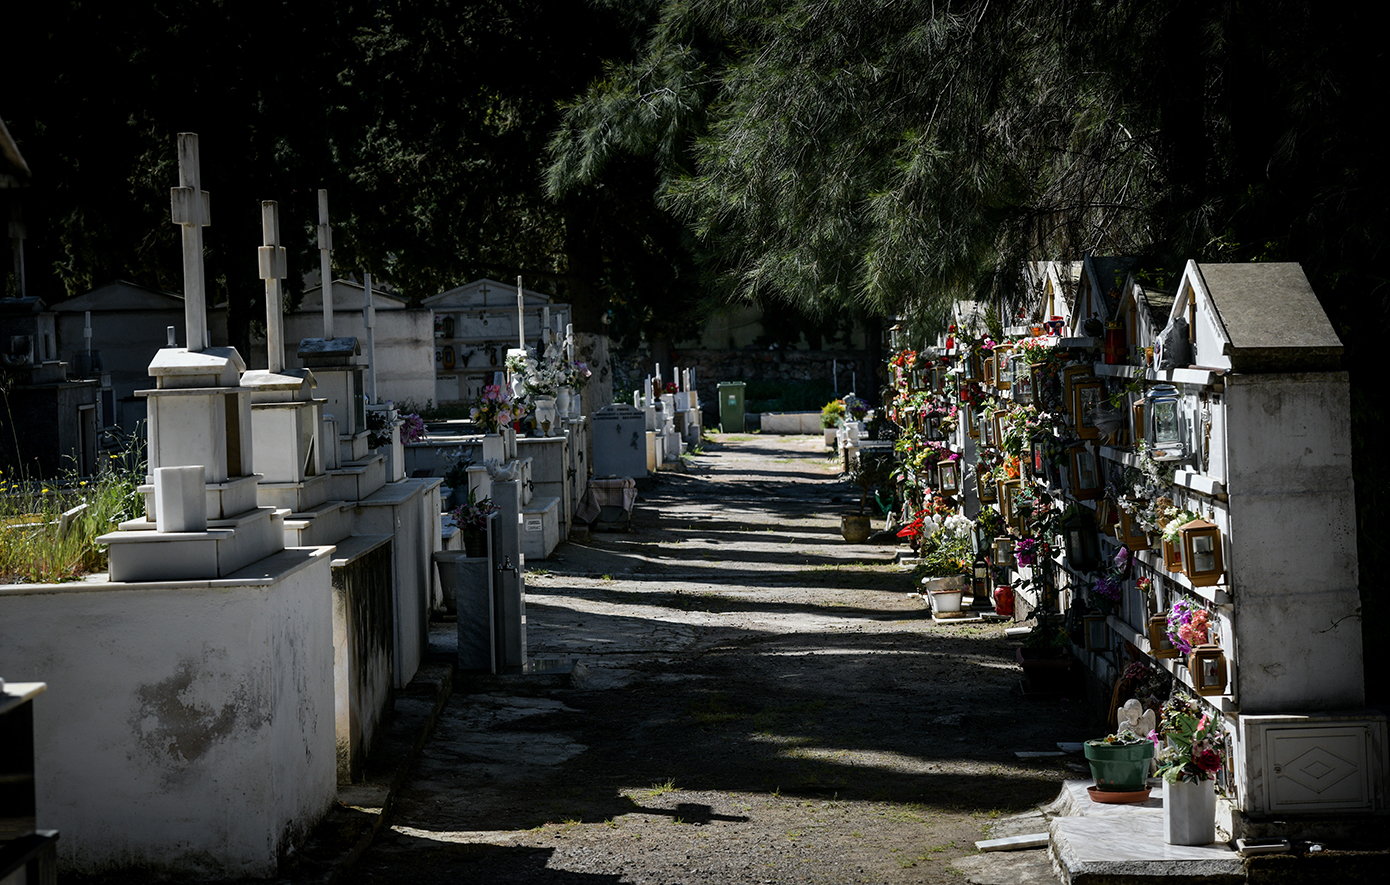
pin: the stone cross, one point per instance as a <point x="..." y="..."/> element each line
<point x="190" y="208"/>
<point x="326" y="263"/>
<point x="271" y="258"/>
<point x="369" y="320"/>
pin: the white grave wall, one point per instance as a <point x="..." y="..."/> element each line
<point x="188" y="725"/>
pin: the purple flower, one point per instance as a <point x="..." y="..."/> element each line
<point x="1121" y="558"/>
<point x="1107" y="587"/>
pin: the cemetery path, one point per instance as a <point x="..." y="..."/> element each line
<point x="755" y="701"/>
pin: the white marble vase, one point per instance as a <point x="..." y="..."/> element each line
<point x="1189" y="813"/>
<point x="545" y="414"/>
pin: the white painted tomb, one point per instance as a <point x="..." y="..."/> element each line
<point x="189" y="728"/>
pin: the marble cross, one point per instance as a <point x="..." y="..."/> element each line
<point x="190" y="208"/>
<point x="520" y="314"/>
<point x="271" y="258"/>
<point x="326" y="264"/>
<point x="369" y="320"/>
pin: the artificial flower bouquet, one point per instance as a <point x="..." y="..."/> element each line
<point x="473" y="516"/>
<point x="1190" y="743"/>
<point x="495" y="409"/>
<point x="1189" y="625"/>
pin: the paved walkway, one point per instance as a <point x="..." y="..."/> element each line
<point x="755" y="701"/>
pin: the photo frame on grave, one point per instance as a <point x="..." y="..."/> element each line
<point x="1087" y="482"/>
<point x="1086" y="396"/>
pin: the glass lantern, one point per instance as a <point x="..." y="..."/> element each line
<point x="1007" y="489"/>
<point x="1087" y="482"/>
<point x="948" y="477"/>
<point x="1207" y="666"/>
<point x="1163" y="424"/>
<point x="1200" y="545"/>
<point x="1071" y="375"/>
<point x="1097" y="633"/>
<point x="980" y="583"/>
<point x="1160" y="646"/>
<point x="1081" y="541"/>
<point x="1022" y="382"/>
<point x="1087" y="396"/>
<point x="986" y="489"/>
<point x="1132" y="535"/>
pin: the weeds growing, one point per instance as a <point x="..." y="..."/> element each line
<point x="48" y="528"/>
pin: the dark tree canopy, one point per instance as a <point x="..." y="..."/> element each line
<point x="426" y="121"/>
<point x="901" y="154"/>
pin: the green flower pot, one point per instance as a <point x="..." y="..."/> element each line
<point x="1119" y="768"/>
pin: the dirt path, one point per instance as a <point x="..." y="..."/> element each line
<point x="758" y="702"/>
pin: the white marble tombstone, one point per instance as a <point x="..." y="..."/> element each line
<point x="286" y="420"/>
<point x="198" y="416"/>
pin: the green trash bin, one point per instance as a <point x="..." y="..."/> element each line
<point x="731" y="406"/>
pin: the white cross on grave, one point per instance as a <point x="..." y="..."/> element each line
<point x="326" y="264"/>
<point x="273" y="269"/>
<point x="190" y="208"/>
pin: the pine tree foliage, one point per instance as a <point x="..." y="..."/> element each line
<point x="899" y="154"/>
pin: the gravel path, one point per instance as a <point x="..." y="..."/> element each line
<point x="756" y="701"/>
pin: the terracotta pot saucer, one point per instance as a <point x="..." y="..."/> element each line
<point x="1109" y="798"/>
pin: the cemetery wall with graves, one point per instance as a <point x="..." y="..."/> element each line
<point x="1162" y="475"/>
